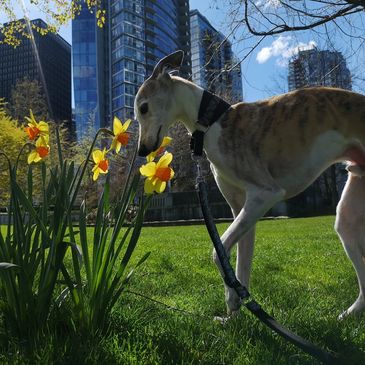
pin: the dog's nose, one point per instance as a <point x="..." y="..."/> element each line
<point x="143" y="151"/>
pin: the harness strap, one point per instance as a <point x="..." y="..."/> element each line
<point x="211" y="109"/>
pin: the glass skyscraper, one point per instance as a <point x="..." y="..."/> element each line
<point x="47" y="60"/>
<point x="314" y="67"/>
<point x="214" y="65"/>
<point x="111" y="63"/>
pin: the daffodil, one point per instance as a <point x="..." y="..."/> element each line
<point x="158" y="174"/>
<point x="121" y="137"/>
<point x="35" y="129"/>
<point x="41" y="150"/>
<point x="165" y="142"/>
<point x="101" y="163"/>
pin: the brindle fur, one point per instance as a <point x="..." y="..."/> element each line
<point x="267" y="151"/>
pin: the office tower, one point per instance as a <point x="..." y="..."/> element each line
<point x="48" y="60"/>
<point x="318" y="68"/>
<point x="111" y="63"/>
<point x="214" y="66"/>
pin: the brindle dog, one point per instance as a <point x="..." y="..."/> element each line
<point x="267" y="151"/>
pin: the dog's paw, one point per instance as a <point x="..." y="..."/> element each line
<point x="356" y="311"/>
<point x="224" y="320"/>
<point x="342" y="316"/>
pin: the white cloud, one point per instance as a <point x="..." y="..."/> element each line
<point x="282" y="48"/>
<point x="265" y="4"/>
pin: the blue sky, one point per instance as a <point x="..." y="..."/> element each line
<point x="264" y="71"/>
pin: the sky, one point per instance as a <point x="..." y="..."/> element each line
<point x="264" y="71"/>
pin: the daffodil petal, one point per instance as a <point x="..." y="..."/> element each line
<point x="97" y="156"/>
<point x="172" y="173"/>
<point x="96" y="174"/>
<point x="160" y="186"/>
<point x="148" y="169"/>
<point x="151" y="157"/>
<point x="115" y="145"/>
<point x="148" y="186"/>
<point x="126" y="124"/>
<point x="117" y="126"/>
<point x="166" y="141"/>
<point x="43" y="127"/>
<point x="42" y="141"/>
<point x="32" y="156"/>
<point x="165" y="160"/>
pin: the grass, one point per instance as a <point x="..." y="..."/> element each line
<point x="301" y="275"/>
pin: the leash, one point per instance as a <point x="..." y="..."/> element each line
<point x="209" y="113"/>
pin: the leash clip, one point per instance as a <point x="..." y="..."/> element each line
<point x="199" y="169"/>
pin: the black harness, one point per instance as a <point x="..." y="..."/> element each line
<point x="212" y="108"/>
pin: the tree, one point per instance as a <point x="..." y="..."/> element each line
<point x="56" y="13"/>
<point x="28" y="94"/>
<point x="272" y="17"/>
<point x="12" y="138"/>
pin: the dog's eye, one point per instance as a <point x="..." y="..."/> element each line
<point x="144" y="108"/>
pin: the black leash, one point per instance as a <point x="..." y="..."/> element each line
<point x="210" y="113"/>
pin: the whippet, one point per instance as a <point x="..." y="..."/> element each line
<point x="267" y="151"/>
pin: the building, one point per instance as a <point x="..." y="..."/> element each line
<point x="48" y="60"/>
<point x="111" y="63"/>
<point x="214" y="66"/>
<point x="318" y="68"/>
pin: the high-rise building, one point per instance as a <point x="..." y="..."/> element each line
<point x="318" y="68"/>
<point x="48" y="60"/>
<point x="214" y="66"/>
<point x="111" y="63"/>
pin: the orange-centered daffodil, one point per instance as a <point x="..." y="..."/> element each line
<point x="121" y="137"/>
<point x="157" y="174"/>
<point x="101" y="163"/>
<point x="40" y="152"/>
<point x="35" y="129"/>
<point x="165" y="142"/>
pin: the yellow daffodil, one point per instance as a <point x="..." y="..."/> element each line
<point x="40" y="152"/>
<point x="35" y="129"/>
<point x="101" y="163"/>
<point x="157" y="174"/>
<point x="121" y="137"/>
<point x="165" y="142"/>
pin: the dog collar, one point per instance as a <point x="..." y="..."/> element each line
<point x="211" y="109"/>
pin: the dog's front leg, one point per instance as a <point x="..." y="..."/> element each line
<point x="258" y="201"/>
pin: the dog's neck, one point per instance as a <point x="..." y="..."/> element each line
<point x="188" y="97"/>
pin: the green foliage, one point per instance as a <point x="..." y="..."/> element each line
<point x="33" y="276"/>
<point x="300" y="274"/>
<point x="94" y="298"/>
<point x="12" y="138"/>
<point x="57" y="13"/>
<point x="28" y="94"/>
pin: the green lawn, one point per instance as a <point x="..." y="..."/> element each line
<point x="301" y="275"/>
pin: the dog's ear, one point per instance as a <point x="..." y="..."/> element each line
<point x="172" y="62"/>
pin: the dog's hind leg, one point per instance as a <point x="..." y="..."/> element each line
<point x="350" y="226"/>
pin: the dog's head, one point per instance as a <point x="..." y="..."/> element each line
<point x="154" y="105"/>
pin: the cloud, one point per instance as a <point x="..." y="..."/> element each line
<point x="265" y="4"/>
<point x="282" y="48"/>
